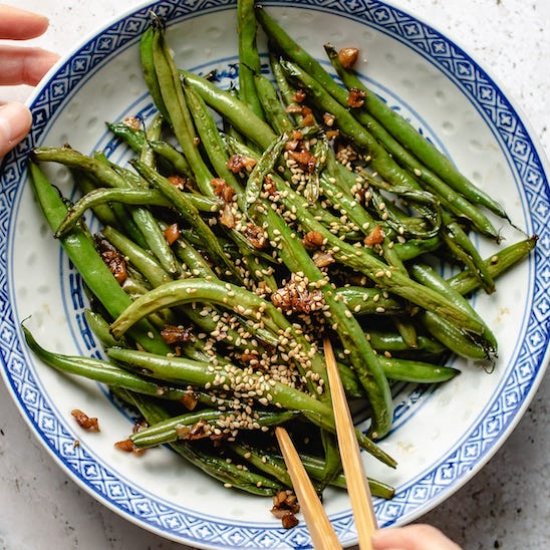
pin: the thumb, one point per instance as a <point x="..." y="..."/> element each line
<point x="412" y="537"/>
<point x="15" y="123"/>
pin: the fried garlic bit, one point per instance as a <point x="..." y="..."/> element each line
<point x="296" y="297"/>
<point x="313" y="240"/>
<point x="356" y="98"/>
<point x="285" y="505"/>
<point x="348" y="57"/>
<point x="223" y="190"/>
<point x="239" y="164"/>
<point x="113" y="259"/>
<point x="256" y="236"/>
<point x="376" y="236"/>
<point x="172" y="334"/>
<point x="86" y="422"/>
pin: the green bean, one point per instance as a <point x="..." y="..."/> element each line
<point x="293" y="50"/>
<point x="101" y="211"/>
<point x="138" y="257"/>
<point x="153" y="132"/>
<point x="399" y="137"/>
<point x="465" y="282"/>
<point x="196" y="263"/>
<point x="172" y="156"/>
<point x="100" y="328"/>
<point x="393" y="281"/>
<point x="74" y="159"/>
<point x="275" y="466"/>
<point x="391" y="120"/>
<point x="333" y="463"/>
<point x="178" y="112"/>
<point x="287" y="92"/>
<point x="238" y="114"/>
<point x="190" y="213"/>
<point x="105" y="174"/>
<point x="416" y="371"/>
<point x="126" y="196"/>
<point x="82" y="253"/>
<point x="215" y="149"/>
<point x="135" y="289"/>
<point x="136" y="286"/>
<point x="463" y="249"/>
<point x="399" y="146"/>
<point x="166" y="431"/>
<point x="135" y="180"/>
<point x="210" y="463"/>
<point x="210" y="138"/>
<point x="264" y="166"/>
<point x="381" y="161"/>
<point x="343" y="200"/>
<point x="400" y="369"/>
<point x="229" y="129"/>
<point x="138" y="224"/>
<point x="413" y="248"/>
<point x="314" y="465"/>
<point x="249" y="58"/>
<point x="363" y="358"/>
<point x="197" y="373"/>
<point x="352" y="385"/>
<point x="427" y="276"/>
<point x="344" y="180"/>
<point x="317" y="210"/>
<point x="407" y="331"/>
<point x="265" y="462"/>
<point x="425" y="226"/>
<point x="136" y="140"/>
<point x="148" y="67"/>
<point x="454" y="340"/>
<point x="274" y="112"/>
<point x="101" y="371"/>
<point x="226" y="295"/>
<point x="394" y="343"/>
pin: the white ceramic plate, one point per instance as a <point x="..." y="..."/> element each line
<point x="441" y="438"/>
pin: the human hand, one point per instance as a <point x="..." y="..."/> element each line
<point x="412" y="537"/>
<point x="20" y="66"/>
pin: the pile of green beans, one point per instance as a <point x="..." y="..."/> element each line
<point x="226" y="260"/>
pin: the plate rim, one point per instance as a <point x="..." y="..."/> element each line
<point x="448" y="37"/>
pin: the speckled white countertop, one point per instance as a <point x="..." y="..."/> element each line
<point x="504" y="506"/>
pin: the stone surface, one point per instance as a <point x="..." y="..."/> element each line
<point x="504" y="506"/>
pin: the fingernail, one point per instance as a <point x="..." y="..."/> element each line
<point x="15" y="122"/>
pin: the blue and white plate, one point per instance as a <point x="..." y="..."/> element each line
<point x="442" y="437"/>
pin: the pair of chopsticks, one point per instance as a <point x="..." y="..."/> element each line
<point x="320" y="529"/>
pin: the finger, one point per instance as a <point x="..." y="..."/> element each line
<point x="15" y="123"/>
<point x="412" y="537"/>
<point x="24" y="65"/>
<point x="16" y="24"/>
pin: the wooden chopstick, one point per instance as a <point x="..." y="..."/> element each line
<point x="320" y="529"/>
<point x="356" y="479"/>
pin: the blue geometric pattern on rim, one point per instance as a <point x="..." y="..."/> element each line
<point x="191" y="528"/>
